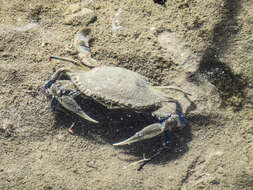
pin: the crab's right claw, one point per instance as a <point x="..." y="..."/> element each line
<point x="69" y="103"/>
<point x="85" y="116"/>
<point x="148" y="132"/>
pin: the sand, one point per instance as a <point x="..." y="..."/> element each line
<point x="205" y="47"/>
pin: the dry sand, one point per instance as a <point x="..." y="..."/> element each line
<point x="210" y="39"/>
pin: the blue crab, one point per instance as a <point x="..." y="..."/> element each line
<point x="116" y="87"/>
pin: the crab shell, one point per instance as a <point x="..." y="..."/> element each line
<point x="117" y="87"/>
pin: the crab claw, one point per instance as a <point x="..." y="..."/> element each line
<point x="85" y="116"/>
<point x="148" y="132"/>
<point x="69" y="103"/>
<point x="154" y="129"/>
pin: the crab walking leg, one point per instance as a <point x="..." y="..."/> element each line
<point x="171" y="87"/>
<point x="153" y="130"/>
<point x="70" y="129"/>
<point x="54" y="78"/>
<point x="62" y="59"/>
<point x="59" y="72"/>
<point x="80" y="64"/>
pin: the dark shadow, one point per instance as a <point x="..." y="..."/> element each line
<point x="198" y="122"/>
<point x="230" y="86"/>
<point x="118" y="125"/>
<point x="228" y="27"/>
<point x="160" y="2"/>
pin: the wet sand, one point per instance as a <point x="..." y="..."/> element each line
<point x="203" y="47"/>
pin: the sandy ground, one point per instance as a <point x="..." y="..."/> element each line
<point x="204" y="47"/>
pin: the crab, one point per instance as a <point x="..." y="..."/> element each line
<point x="116" y="87"/>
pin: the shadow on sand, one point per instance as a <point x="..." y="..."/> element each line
<point x="118" y="125"/>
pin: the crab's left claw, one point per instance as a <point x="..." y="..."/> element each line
<point x="154" y="129"/>
<point x="70" y="104"/>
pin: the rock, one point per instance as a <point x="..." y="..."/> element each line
<point x="73" y="9"/>
<point x="75" y="15"/>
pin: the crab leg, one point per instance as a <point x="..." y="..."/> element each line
<point x="70" y="129"/>
<point x="81" y="64"/>
<point x="171" y="87"/>
<point x="153" y="130"/>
